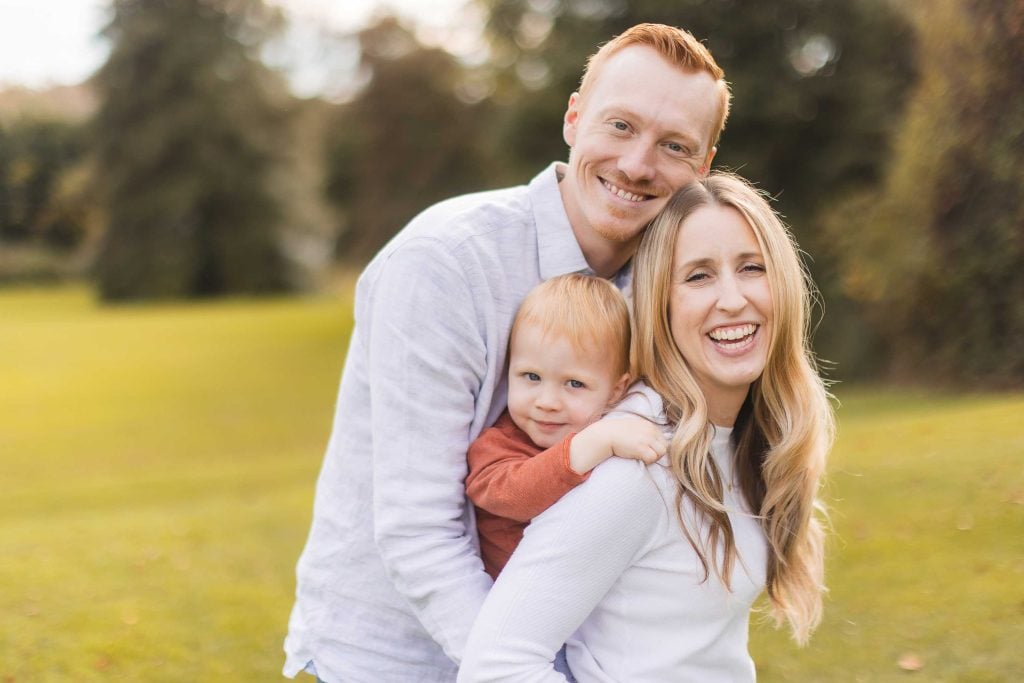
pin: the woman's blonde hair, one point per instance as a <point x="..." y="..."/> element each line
<point x="588" y="311"/>
<point x="785" y="428"/>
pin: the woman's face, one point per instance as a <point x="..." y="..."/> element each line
<point x="720" y="307"/>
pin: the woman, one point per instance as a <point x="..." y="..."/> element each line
<point x="648" y="573"/>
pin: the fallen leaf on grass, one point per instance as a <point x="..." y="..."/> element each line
<point x="909" y="661"/>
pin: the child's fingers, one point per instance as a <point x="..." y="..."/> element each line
<point x="653" y="450"/>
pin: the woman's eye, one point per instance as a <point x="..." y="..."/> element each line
<point x="754" y="268"/>
<point x="576" y="384"/>
<point x="697" y="277"/>
<point x="620" y="125"/>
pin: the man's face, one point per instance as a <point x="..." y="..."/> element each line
<point x="641" y="133"/>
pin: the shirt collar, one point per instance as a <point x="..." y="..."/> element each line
<point x="557" y="249"/>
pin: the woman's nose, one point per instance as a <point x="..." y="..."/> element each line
<point x="731" y="298"/>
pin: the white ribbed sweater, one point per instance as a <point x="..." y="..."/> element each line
<point x="608" y="571"/>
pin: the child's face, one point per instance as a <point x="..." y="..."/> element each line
<point x="553" y="389"/>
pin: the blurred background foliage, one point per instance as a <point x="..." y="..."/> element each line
<point x="891" y="134"/>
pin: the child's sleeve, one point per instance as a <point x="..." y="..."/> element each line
<point x="508" y="478"/>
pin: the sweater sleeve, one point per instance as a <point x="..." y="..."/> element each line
<point x="569" y="558"/>
<point x="509" y="478"/>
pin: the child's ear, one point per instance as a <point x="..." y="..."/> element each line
<point x="620" y="389"/>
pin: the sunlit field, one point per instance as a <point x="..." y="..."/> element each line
<point x="157" y="468"/>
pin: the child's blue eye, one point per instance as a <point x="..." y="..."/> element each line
<point x="532" y="376"/>
<point x="576" y="384"/>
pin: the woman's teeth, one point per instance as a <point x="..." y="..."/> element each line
<point x="732" y="334"/>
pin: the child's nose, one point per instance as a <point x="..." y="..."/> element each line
<point x="548" y="399"/>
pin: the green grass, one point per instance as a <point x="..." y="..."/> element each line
<point x="157" y="467"/>
<point x="927" y="497"/>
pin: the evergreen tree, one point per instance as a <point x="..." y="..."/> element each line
<point x="34" y="155"/>
<point x="935" y="258"/>
<point x="816" y="83"/>
<point x="405" y="143"/>
<point x="187" y="137"/>
<point x="817" y="90"/>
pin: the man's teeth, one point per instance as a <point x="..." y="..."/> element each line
<point x="732" y="333"/>
<point x="619" y="192"/>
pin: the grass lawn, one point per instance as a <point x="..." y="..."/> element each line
<point x="157" y="466"/>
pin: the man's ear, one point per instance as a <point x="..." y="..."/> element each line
<point x="707" y="162"/>
<point x="571" y="119"/>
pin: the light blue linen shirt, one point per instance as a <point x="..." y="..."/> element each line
<point x="390" y="580"/>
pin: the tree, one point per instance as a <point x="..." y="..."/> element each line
<point x="188" y="134"/>
<point x="935" y="257"/>
<point x="815" y="82"/>
<point x="405" y="142"/>
<point x="34" y="155"/>
<point x="817" y="85"/>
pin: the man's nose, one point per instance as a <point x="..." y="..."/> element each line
<point x="637" y="162"/>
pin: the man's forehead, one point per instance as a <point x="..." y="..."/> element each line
<point x="680" y="103"/>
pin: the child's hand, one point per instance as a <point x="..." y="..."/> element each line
<point x="627" y="437"/>
<point x="635" y="438"/>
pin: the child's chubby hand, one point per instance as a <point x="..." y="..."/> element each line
<point x="630" y="437"/>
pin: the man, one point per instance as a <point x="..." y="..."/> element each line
<point x="390" y="580"/>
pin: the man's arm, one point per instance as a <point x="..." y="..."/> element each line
<point x="427" y="359"/>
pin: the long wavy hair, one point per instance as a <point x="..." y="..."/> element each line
<point x="785" y="428"/>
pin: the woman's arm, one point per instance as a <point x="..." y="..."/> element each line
<point x="569" y="558"/>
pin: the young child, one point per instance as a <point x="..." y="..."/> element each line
<point x="568" y="363"/>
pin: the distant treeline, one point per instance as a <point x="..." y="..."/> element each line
<point x="892" y="138"/>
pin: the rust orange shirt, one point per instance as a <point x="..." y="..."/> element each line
<point x="510" y="482"/>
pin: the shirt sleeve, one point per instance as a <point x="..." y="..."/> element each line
<point x="426" y="362"/>
<point x="508" y="480"/>
<point x="570" y="556"/>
